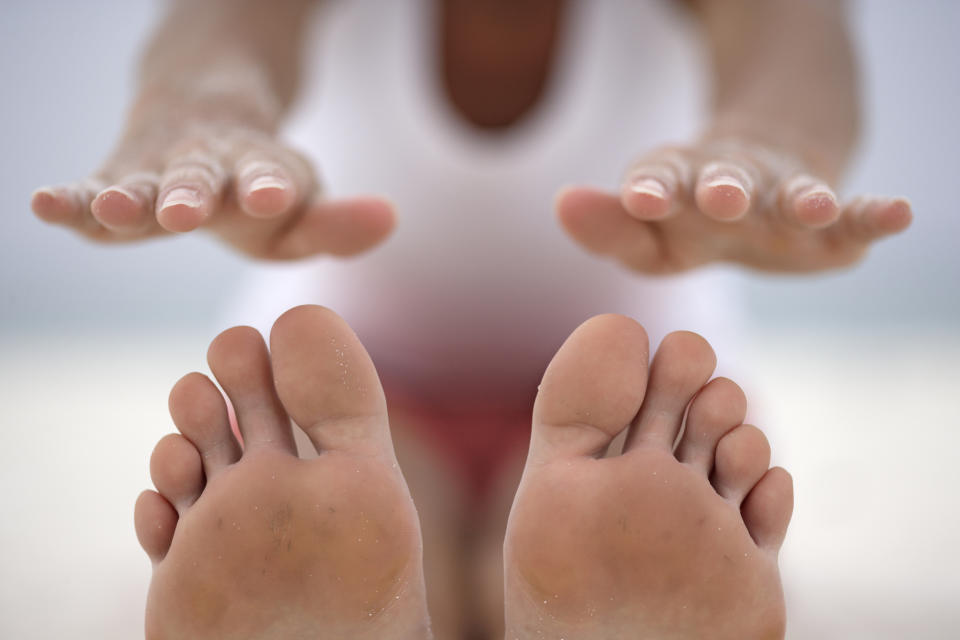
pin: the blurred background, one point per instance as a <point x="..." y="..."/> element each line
<point x="858" y="370"/>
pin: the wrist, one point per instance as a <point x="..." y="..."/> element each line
<point x="824" y="156"/>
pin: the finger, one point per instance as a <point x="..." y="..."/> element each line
<point x="127" y="206"/>
<point x="869" y="218"/>
<point x="190" y="190"/>
<point x="654" y="185"/>
<point x="335" y="227"/>
<point x="68" y="205"/>
<point x="724" y="191"/>
<point x="599" y="222"/>
<point x="808" y="202"/>
<point x="267" y="186"/>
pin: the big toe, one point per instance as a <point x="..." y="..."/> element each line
<point x="591" y="390"/>
<point x="327" y="382"/>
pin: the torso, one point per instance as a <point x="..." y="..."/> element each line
<point x="479" y="286"/>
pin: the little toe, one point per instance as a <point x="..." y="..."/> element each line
<point x="189" y="191"/>
<point x="742" y="457"/>
<point x="239" y="360"/>
<point x="265" y="188"/>
<point x="591" y="390"/>
<point x="177" y="471"/>
<point x="720" y="407"/>
<point x="683" y="364"/>
<point x="808" y="202"/>
<point x="328" y="383"/>
<point x="155" y="521"/>
<point x="723" y="191"/>
<point x="127" y="207"/>
<point x="200" y="413"/>
<point x="768" y="507"/>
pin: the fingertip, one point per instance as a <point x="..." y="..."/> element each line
<point x="267" y="196"/>
<point x="816" y="207"/>
<point x="895" y="217"/>
<point x="182" y="209"/>
<point x="117" y="208"/>
<point x="646" y="198"/>
<point x="51" y="204"/>
<point x="722" y="198"/>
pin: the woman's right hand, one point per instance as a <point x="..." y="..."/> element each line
<point x="238" y="182"/>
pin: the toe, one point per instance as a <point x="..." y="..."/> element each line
<point x="189" y="191"/>
<point x="127" y="207"/>
<point x="724" y="191"/>
<point x="239" y="360"/>
<point x="177" y="471"/>
<point x="154" y="520"/>
<point x="327" y="382"/>
<point x="808" y="202"/>
<point x="198" y="410"/>
<point x="718" y="408"/>
<point x="683" y="364"/>
<point x="743" y="456"/>
<point x="768" y="507"/>
<point x="591" y="390"/>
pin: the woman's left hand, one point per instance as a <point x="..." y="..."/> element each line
<point x="727" y="201"/>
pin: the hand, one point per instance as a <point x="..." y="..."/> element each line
<point x="239" y="183"/>
<point x="680" y="208"/>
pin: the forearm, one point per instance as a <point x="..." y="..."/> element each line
<point x="784" y="75"/>
<point x="224" y="60"/>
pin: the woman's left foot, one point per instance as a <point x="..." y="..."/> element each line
<point x="659" y="541"/>
<point x="258" y="544"/>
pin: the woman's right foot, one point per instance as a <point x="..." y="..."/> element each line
<point x="255" y="543"/>
<point x="659" y="541"/>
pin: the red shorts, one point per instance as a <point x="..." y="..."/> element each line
<point x="477" y="438"/>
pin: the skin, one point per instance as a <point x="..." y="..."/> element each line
<point x="257" y="543"/>
<point x="200" y="153"/>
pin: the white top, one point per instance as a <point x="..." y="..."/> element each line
<point x="479" y="283"/>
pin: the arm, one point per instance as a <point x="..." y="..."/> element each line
<point x="784" y="74"/>
<point x="757" y="188"/>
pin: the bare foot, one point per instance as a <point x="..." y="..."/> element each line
<point x="177" y="172"/>
<point x="257" y="543"/>
<point x="680" y="208"/>
<point x="654" y="542"/>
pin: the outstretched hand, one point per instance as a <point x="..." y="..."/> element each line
<point x="253" y="192"/>
<point x="680" y="208"/>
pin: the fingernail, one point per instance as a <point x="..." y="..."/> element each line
<point x="650" y="187"/>
<point x="182" y="196"/>
<point x="266" y="182"/>
<point x="726" y="181"/>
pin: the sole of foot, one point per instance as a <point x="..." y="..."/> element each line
<point x="248" y="540"/>
<point x="670" y="538"/>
